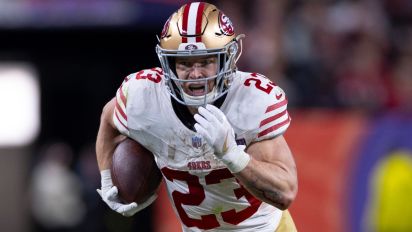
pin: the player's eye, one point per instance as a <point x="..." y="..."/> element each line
<point x="184" y="63"/>
<point x="208" y="61"/>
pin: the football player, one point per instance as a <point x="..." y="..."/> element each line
<point x="216" y="132"/>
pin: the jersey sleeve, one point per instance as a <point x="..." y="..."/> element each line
<point x="120" y="110"/>
<point x="130" y="103"/>
<point x="275" y="118"/>
<point x="256" y="108"/>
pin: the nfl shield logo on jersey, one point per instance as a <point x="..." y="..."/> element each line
<point x="240" y="141"/>
<point x="196" y="141"/>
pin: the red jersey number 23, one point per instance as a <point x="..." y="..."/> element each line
<point x="196" y="196"/>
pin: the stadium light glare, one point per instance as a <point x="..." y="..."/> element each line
<point x="19" y="104"/>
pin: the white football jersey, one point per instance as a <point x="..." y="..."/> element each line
<point x="203" y="192"/>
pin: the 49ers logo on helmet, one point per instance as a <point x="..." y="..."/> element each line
<point x="191" y="47"/>
<point x="165" y="28"/>
<point x="226" y="25"/>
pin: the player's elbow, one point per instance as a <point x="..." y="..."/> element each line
<point x="281" y="199"/>
<point x="290" y="191"/>
<point x="287" y="199"/>
<point x="284" y="198"/>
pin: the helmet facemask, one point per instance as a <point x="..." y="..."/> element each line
<point x="226" y="65"/>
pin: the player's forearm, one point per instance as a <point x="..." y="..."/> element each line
<point x="105" y="144"/>
<point x="272" y="183"/>
<point x="107" y="138"/>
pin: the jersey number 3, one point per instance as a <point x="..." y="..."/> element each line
<point x="154" y="75"/>
<point x="196" y="196"/>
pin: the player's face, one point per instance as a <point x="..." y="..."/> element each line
<point x="196" y="68"/>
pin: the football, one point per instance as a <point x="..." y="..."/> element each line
<point x="134" y="172"/>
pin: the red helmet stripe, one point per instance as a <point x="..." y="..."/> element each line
<point x="192" y="22"/>
<point x="184" y="22"/>
<point x="199" y="19"/>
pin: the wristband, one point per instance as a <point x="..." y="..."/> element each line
<point x="106" y="179"/>
<point x="236" y="159"/>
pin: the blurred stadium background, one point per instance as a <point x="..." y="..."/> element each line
<point x="346" y="66"/>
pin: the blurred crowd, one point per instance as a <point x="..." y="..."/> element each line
<point x="354" y="54"/>
<point x="63" y="197"/>
<point x="61" y="190"/>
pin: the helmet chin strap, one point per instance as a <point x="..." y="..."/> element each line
<point x="199" y="100"/>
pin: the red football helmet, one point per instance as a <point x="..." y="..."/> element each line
<point x="199" y="29"/>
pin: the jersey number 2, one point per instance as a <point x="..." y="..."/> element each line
<point x="196" y="196"/>
<point x="258" y="83"/>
